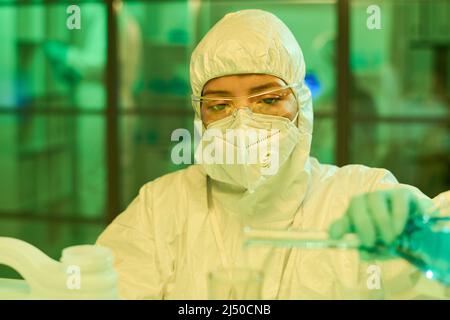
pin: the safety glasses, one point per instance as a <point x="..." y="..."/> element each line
<point x="270" y="102"/>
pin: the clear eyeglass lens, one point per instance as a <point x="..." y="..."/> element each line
<point x="270" y="103"/>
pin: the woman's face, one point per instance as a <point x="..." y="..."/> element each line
<point x="246" y="85"/>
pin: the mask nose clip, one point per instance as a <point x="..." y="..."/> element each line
<point x="237" y="111"/>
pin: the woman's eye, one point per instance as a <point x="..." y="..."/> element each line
<point x="217" y="107"/>
<point x="270" y="100"/>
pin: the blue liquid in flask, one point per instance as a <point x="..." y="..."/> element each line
<point x="426" y="244"/>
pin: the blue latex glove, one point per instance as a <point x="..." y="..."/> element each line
<point x="379" y="217"/>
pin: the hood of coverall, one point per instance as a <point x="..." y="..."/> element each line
<point x="256" y="41"/>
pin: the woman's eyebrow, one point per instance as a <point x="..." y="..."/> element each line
<point x="217" y="92"/>
<point x="269" y="85"/>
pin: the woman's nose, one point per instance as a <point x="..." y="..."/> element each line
<point x="241" y="104"/>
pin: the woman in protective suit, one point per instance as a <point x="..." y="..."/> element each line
<point x="248" y="73"/>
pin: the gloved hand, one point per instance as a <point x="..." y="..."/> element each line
<point x="379" y="217"/>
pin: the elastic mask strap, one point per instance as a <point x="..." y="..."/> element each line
<point x="294" y="121"/>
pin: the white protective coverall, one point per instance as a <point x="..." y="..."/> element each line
<point x="180" y="227"/>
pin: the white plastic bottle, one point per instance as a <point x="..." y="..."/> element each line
<point x="84" y="272"/>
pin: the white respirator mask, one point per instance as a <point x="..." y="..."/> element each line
<point x="246" y="148"/>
